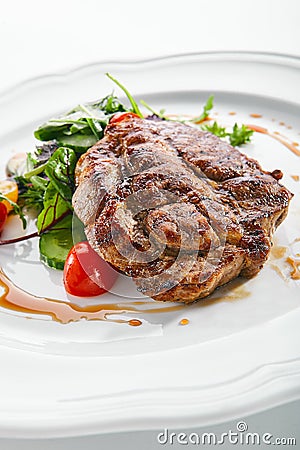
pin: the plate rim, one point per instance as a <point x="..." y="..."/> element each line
<point x="267" y="57"/>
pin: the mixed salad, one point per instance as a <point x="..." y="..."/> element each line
<point x="44" y="181"/>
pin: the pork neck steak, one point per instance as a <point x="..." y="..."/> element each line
<point x="176" y="208"/>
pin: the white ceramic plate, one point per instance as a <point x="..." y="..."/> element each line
<point x="238" y="355"/>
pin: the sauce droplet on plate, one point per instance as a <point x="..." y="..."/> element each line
<point x="184" y="322"/>
<point x="295" y="264"/>
<point x="255" y="116"/>
<point x="135" y="322"/>
<point x="277" y="136"/>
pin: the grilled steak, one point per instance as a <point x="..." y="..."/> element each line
<point x="176" y="208"/>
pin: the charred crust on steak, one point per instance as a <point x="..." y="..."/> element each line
<point x="176" y="208"/>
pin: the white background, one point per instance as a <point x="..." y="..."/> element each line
<point x="39" y="37"/>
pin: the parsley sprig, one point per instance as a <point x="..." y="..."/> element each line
<point x="216" y="129"/>
<point x="238" y="136"/>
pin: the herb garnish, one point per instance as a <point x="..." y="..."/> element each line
<point x="81" y="127"/>
<point x="206" y="109"/>
<point x="133" y="103"/>
<point x="215" y="129"/>
<point x="240" y="135"/>
<point x="160" y="114"/>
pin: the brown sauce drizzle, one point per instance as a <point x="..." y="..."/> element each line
<point x="14" y="298"/>
<point x="277" y="136"/>
<point x="232" y="113"/>
<point x="295" y="264"/>
<point x="135" y="322"/>
<point x="255" y="116"/>
<point x="279" y="252"/>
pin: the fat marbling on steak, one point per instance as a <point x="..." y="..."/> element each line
<point x="176" y="208"/>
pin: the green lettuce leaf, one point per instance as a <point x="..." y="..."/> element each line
<point x="55" y="208"/>
<point x="60" y="171"/>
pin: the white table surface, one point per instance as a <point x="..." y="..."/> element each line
<point x="49" y="37"/>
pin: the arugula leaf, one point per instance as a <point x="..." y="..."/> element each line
<point x="31" y="161"/>
<point x="240" y="135"/>
<point x="39" y="183"/>
<point x="215" y="129"/>
<point x="75" y="118"/>
<point x="81" y="127"/>
<point x="206" y="109"/>
<point x="16" y="208"/>
<point x="35" y="171"/>
<point x="55" y="208"/>
<point x="133" y="103"/>
<point x="84" y="125"/>
<point x="60" y="170"/>
<point x="110" y="105"/>
<point x="80" y="143"/>
<point x="159" y="114"/>
<point x="91" y="120"/>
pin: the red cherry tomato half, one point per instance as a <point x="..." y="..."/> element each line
<point x="118" y="117"/>
<point x="3" y="215"/>
<point x="85" y="273"/>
